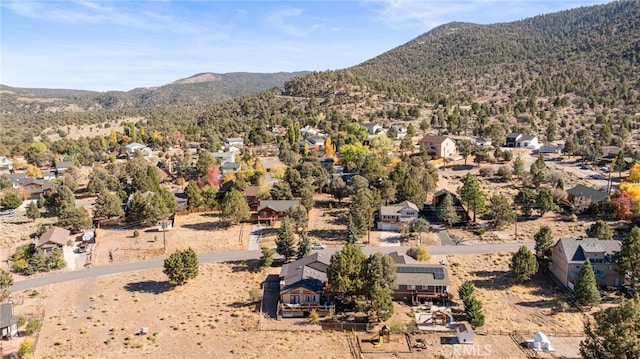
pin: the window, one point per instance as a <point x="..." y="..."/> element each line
<point x="411" y="287"/>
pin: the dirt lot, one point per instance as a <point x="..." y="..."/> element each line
<point x="204" y="232"/>
<point x="206" y="318"/>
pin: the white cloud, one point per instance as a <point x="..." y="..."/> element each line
<point x="86" y="12"/>
<point x="283" y="20"/>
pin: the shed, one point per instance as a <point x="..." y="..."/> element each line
<point x="540" y="342"/>
<point x="464" y="333"/>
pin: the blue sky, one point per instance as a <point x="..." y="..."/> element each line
<point x="120" y="45"/>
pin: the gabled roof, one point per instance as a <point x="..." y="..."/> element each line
<point x="463" y="327"/>
<point x="309" y="272"/>
<point x="234" y="139"/>
<point x="64" y="164"/>
<point x="400" y="258"/>
<point x="514" y="136"/>
<point x="7" y="318"/>
<point x="433" y="139"/>
<point x="527" y="137"/>
<point x="576" y="249"/>
<point x="230" y="166"/>
<point x="278" y="205"/>
<point x="55" y="235"/>
<point x="133" y="146"/>
<point x="422" y="274"/>
<point x="251" y="191"/>
<point x="589" y="193"/>
<point x="394" y="209"/>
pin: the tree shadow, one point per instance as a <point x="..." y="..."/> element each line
<point x="249" y="265"/>
<point x="541" y="303"/>
<point x="328" y="235"/>
<point x="207" y="226"/>
<point x="495" y="280"/>
<point x="149" y="286"/>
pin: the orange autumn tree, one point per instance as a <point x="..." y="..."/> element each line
<point x="621" y="204"/>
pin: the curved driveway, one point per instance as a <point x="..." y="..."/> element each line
<point x="60" y="277"/>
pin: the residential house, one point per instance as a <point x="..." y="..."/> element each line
<point x="586" y="197"/>
<point x="512" y="139"/>
<point x="568" y="255"/>
<point x="228" y="167"/>
<point x="48" y="175"/>
<point x="438" y="146"/>
<point x="55" y="237"/>
<point x="134" y="146"/>
<point x="483" y="142"/>
<point x="27" y="187"/>
<point x="314" y="143"/>
<point x="224" y="157"/>
<point x="251" y="196"/>
<point x="327" y="163"/>
<point x="63" y="166"/>
<point x="418" y="282"/>
<point x="307" y="131"/>
<point x="437" y="206"/>
<point x="8" y="320"/>
<point x="399" y="131"/>
<point x="234" y="141"/>
<point x="464" y="333"/>
<point x="528" y="141"/>
<point x="303" y="287"/>
<point x="271" y="211"/>
<point x="550" y="148"/>
<point x="372" y="128"/>
<point x="394" y="217"/>
<point x="5" y="162"/>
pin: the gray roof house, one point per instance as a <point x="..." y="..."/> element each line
<point x="568" y="256"/>
<point x="592" y="196"/>
<point x="391" y="218"/>
<point x="8" y="321"/>
<point x="224" y="157"/>
<point x="63" y="166"/>
<point x="302" y="287"/>
<point x="418" y="282"/>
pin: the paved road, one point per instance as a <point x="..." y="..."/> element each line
<point x="444" y="238"/>
<point x="254" y="238"/>
<point x="236" y="256"/>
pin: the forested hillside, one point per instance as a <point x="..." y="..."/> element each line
<point x="552" y="75"/>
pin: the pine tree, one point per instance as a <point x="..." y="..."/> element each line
<point x="234" y="207"/>
<point x="523" y="264"/>
<point x="544" y="242"/>
<point x="465" y="291"/>
<point x="545" y="202"/>
<point x="616" y="333"/>
<point x="32" y="211"/>
<point x="601" y="230"/>
<point x="472" y="195"/>
<point x="630" y="255"/>
<point x="473" y="312"/>
<point x="266" y="260"/>
<point x="181" y="266"/>
<point x="285" y="241"/>
<point x="586" y="288"/>
<point x="107" y="206"/>
<point x="448" y="212"/>
<point x="304" y="246"/>
<point x="352" y="232"/>
<point x="346" y="275"/>
<point x="518" y="167"/>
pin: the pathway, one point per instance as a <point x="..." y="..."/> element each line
<point x="254" y="238"/>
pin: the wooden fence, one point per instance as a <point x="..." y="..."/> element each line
<point x="195" y="210"/>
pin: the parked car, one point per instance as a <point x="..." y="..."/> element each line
<point x="630" y="291"/>
<point x="8" y="212"/>
<point x="318" y="245"/>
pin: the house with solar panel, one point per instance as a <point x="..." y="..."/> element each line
<point x="418" y="282"/>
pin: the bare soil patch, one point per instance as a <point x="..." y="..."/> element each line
<point x="204" y="232"/>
